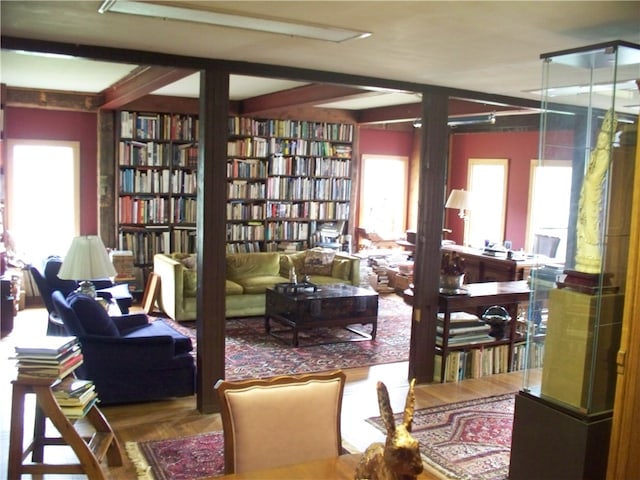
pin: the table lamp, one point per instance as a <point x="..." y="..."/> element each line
<point x="87" y="260"/>
<point x="461" y="200"/>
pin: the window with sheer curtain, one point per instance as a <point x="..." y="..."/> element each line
<point x="42" y="197"/>
<point x="487" y="180"/>
<point x="383" y="195"/>
<point x="549" y="202"/>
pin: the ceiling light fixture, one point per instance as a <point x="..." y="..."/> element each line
<point x="282" y="27"/>
<point x="467" y="120"/>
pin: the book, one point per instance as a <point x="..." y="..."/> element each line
<point x="71" y="387"/>
<point x="76" y="412"/>
<point x="49" y="371"/>
<point x="49" y="346"/>
<point x="46" y="359"/>
<point x="79" y="401"/>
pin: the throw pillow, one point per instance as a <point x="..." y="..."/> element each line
<point x="189" y="262"/>
<point x="318" y="261"/>
<point x="92" y="316"/>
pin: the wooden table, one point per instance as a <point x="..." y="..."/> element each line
<point x="328" y="306"/>
<point x="337" y="468"/>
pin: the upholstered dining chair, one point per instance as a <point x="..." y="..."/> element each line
<point x="280" y="421"/>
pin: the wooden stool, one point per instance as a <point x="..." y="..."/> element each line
<point x="90" y="451"/>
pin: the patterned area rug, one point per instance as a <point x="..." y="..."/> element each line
<point x="468" y="440"/>
<point x="187" y="458"/>
<point x="251" y="352"/>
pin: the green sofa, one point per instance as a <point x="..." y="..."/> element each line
<point x="248" y="275"/>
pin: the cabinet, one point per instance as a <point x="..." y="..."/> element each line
<point x="565" y="414"/>
<point x="286" y="179"/>
<point x="460" y="359"/>
<point x="157" y="163"/>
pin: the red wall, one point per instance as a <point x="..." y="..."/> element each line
<point x="519" y="148"/>
<point x="40" y="124"/>
<point x="385" y="142"/>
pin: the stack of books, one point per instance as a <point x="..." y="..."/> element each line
<point x="75" y="397"/>
<point x="464" y="328"/>
<point x="48" y="358"/>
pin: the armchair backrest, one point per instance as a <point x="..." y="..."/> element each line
<point x="51" y="269"/>
<point x="66" y="313"/>
<point x="83" y="315"/>
<point x="300" y="413"/>
<point x="44" y="288"/>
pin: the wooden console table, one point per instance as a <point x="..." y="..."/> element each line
<point x="90" y="451"/>
<point x="506" y="294"/>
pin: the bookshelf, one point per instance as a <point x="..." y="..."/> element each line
<point x="286" y="179"/>
<point x="463" y="347"/>
<point x="157" y="157"/>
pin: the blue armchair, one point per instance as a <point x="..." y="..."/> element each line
<point x="127" y="357"/>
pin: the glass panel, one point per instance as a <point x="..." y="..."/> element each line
<point x="590" y="107"/>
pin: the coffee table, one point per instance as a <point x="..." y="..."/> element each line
<point x="326" y="306"/>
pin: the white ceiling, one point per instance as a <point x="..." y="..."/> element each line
<point x="491" y="47"/>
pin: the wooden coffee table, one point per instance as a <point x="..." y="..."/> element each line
<point x="327" y="306"/>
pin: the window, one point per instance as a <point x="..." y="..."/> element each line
<point x="42" y="197"/>
<point x="487" y="180"/>
<point x="383" y="195"/>
<point x="549" y="202"/>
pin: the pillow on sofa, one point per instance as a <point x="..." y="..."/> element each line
<point x="189" y="262"/>
<point x="318" y="261"/>
<point x="341" y="268"/>
<point x="93" y="317"/>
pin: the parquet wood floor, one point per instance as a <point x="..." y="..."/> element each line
<point x="180" y="417"/>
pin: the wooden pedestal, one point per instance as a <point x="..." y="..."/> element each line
<point x="550" y="443"/>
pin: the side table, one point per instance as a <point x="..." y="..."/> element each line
<point x="90" y="451"/>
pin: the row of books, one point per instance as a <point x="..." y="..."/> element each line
<point x="74" y="396"/>
<point x="291" y="129"/>
<point x="473" y="363"/>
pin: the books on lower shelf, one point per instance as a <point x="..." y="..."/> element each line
<point x="473" y="363"/>
<point x="75" y="397"/>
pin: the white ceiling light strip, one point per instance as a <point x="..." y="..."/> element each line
<point x="282" y="27"/>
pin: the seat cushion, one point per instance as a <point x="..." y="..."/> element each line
<point x="157" y="328"/>
<point x="260" y="284"/>
<point x="94" y="318"/>
<point x="232" y="288"/>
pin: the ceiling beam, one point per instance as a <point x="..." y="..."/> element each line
<point x="142" y="81"/>
<point x="410" y="111"/>
<point x="299" y="96"/>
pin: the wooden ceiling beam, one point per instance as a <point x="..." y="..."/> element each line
<point x="307" y="95"/>
<point x="142" y="81"/>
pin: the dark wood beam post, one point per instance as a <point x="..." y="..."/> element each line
<point x="106" y="178"/>
<point x="212" y="197"/>
<point x="433" y="162"/>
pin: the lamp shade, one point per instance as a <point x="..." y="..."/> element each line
<point x="459" y="199"/>
<point x="87" y="259"/>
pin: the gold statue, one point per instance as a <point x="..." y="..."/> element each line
<point x="399" y="457"/>
<point x="588" y="248"/>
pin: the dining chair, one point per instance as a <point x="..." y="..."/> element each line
<point x="280" y="421"/>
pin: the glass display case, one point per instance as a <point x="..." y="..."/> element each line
<point x="590" y="104"/>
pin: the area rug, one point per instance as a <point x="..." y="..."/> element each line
<point x="251" y="352"/>
<point x="468" y="440"/>
<point x="186" y="458"/>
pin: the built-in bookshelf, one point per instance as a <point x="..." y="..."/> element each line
<point x="157" y="168"/>
<point x="286" y="180"/>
